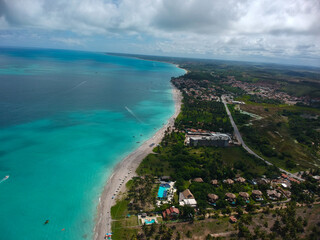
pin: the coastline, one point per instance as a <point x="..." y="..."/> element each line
<point x="125" y="170"/>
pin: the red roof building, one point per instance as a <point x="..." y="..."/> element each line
<point x="170" y="213"/>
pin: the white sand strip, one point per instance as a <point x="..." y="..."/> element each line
<point x="124" y="171"/>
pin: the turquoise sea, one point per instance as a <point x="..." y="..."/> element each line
<point x="66" y="119"/>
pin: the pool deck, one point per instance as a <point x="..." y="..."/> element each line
<point x="170" y="194"/>
<point x="147" y="218"/>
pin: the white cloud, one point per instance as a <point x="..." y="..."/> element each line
<point x="279" y="28"/>
<point x="69" y="41"/>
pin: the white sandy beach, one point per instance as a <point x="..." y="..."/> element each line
<point x="124" y="171"/>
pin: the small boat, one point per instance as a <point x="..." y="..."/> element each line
<point x="5" y="178"/>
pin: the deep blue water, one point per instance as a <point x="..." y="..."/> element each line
<point x="66" y="119"/>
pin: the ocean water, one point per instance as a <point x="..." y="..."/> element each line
<point x="66" y="119"/>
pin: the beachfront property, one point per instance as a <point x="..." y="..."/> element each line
<point x="187" y="198"/>
<point x="209" y="140"/>
<point x="165" y="192"/>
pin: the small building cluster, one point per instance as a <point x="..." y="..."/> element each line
<point x="186" y="198"/>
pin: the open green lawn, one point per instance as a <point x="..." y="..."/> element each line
<point x="123" y="227"/>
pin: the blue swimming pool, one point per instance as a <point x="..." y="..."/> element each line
<point x="149" y="222"/>
<point x="162" y="192"/>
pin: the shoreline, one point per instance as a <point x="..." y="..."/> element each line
<point x="125" y="170"/>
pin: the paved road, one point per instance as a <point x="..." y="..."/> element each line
<point x="239" y="137"/>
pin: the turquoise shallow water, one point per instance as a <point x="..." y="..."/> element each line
<point x="66" y="119"/>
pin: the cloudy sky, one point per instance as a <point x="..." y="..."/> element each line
<point x="285" y="31"/>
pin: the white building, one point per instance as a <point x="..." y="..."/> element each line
<point x="187" y="198"/>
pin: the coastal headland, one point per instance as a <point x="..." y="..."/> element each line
<point x="125" y="170"/>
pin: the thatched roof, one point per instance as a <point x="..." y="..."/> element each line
<point x="229" y="181"/>
<point x="244" y="194"/>
<point x="230" y="195"/>
<point x="213" y="197"/>
<point x="257" y="192"/>
<point x="241" y="179"/>
<point x="199" y="180"/>
<point x="187" y="194"/>
<point x="214" y="182"/>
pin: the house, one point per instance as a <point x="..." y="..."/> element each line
<point x="198" y="180"/>
<point x="257" y="195"/>
<point x="240" y="180"/>
<point x="230" y="197"/>
<point x="171" y="213"/>
<point x="294" y="180"/>
<point x="228" y="181"/>
<point x="233" y="219"/>
<point x="244" y="195"/>
<point x="273" y="194"/>
<point x="212" y="198"/>
<point x="214" y="182"/>
<point x="187" y="198"/>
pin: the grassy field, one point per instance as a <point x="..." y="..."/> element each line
<point x="275" y="129"/>
<point x="123" y="225"/>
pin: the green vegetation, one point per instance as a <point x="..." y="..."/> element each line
<point x="209" y="115"/>
<point x="287" y="136"/>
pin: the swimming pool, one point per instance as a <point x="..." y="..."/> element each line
<point x="149" y="222"/>
<point x="162" y="192"/>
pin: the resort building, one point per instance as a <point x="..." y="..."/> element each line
<point x="230" y="197"/>
<point x="257" y="195"/>
<point x="244" y="195"/>
<point x="228" y="181"/>
<point x="198" y="180"/>
<point x="187" y="198"/>
<point x="240" y="180"/>
<point x="214" y="182"/>
<point x="212" y="198"/>
<point x="212" y="140"/>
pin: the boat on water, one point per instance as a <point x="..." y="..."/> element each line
<point x="5" y="178"/>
